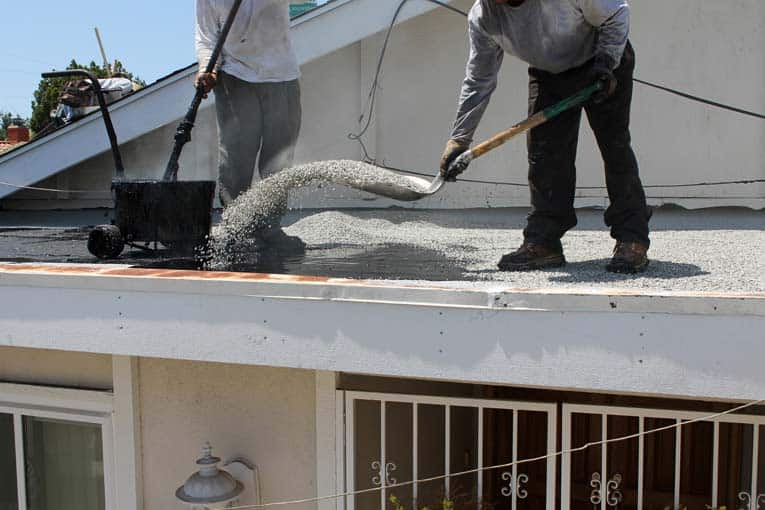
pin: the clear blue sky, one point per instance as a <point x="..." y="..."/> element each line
<point x="151" y="37"/>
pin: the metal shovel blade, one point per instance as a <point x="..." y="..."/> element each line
<point x="406" y="188"/>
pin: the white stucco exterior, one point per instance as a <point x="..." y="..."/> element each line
<point x="163" y="411"/>
<point x="55" y="368"/>
<point x="690" y="45"/>
<point x="265" y="414"/>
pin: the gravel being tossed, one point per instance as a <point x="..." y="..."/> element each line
<point x="236" y="240"/>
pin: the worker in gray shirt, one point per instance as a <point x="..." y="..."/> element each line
<point x="257" y="94"/>
<point x="568" y="44"/>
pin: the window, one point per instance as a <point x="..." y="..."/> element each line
<point x="53" y="456"/>
<point x="706" y="464"/>
<point x="399" y="438"/>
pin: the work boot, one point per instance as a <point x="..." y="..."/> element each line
<point x="532" y="256"/>
<point x="629" y="258"/>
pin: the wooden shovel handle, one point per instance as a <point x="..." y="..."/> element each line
<point x="500" y="138"/>
<point x="535" y="120"/>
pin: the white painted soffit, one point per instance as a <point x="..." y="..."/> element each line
<point x="315" y="34"/>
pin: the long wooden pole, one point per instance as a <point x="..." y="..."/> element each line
<point x="461" y="163"/>
<point x="107" y="66"/>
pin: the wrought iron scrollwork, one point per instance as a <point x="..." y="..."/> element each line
<point x="613" y="493"/>
<point x="515" y="485"/>
<point x="750" y="503"/>
<point x="383" y="474"/>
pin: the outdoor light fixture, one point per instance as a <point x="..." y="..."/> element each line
<point x="210" y="488"/>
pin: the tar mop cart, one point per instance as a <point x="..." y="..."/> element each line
<point x="176" y="214"/>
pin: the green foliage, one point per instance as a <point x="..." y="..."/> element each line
<point x="5" y="121"/>
<point x="396" y="504"/>
<point x="48" y="90"/>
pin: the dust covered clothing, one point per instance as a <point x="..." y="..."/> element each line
<point x="258" y="48"/>
<point x="559" y="39"/>
<point x="257" y="95"/>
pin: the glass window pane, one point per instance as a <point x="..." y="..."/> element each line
<point x="735" y="467"/>
<point x="659" y="465"/>
<point x="497" y="449"/>
<point x="463" y="489"/>
<point x="585" y="465"/>
<point x="8" y="495"/>
<point x="398" y="450"/>
<point x="366" y="450"/>
<point x="64" y="465"/>
<point x="622" y="461"/>
<point x="532" y="443"/>
<point x="431" y="440"/>
<point x="696" y="465"/>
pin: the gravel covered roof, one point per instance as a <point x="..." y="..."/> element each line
<point x="717" y="250"/>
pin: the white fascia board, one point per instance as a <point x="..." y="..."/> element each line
<point x="318" y="33"/>
<point x="577" y="342"/>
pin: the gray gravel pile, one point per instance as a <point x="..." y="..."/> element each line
<point x="688" y="257"/>
<point x="235" y="240"/>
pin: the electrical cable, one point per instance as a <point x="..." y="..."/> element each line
<point x="525" y="184"/>
<point x="700" y="99"/>
<point x="372" y="97"/>
<point x="52" y="190"/>
<point x="505" y="465"/>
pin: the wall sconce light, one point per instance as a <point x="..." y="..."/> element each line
<point x="210" y="488"/>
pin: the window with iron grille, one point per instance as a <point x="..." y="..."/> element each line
<point x="712" y="464"/>
<point x="399" y="438"/>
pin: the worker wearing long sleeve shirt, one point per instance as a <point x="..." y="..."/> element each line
<point x="257" y="90"/>
<point x="568" y="44"/>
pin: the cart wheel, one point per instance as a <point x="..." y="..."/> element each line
<point x="105" y="242"/>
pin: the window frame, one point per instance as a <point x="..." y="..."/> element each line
<point x="642" y="413"/>
<point x="78" y="406"/>
<point x="348" y="468"/>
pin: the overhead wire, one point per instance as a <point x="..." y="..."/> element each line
<point x="560" y="453"/>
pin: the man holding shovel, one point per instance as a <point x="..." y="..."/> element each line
<point x="257" y="93"/>
<point x="568" y="44"/>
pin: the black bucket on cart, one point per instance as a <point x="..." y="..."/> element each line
<point x="174" y="213"/>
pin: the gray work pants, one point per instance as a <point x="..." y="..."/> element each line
<point x="258" y="124"/>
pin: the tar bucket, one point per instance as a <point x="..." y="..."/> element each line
<point x="177" y="214"/>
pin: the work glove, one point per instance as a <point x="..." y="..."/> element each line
<point x="601" y="71"/>
<point x="206" y="81"/>
<point x="452" y="151"/>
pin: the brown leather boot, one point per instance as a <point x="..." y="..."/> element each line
<point x="629" y="258"/>
<point x="532" y="256"/>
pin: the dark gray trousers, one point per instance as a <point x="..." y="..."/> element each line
<point x="552" y="154"/>
<point x="258" y="125"/>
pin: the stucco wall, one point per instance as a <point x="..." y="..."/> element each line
<point x="264" y="414"/>
<point x="700" y="46"/>
<point x="55" y="368"/>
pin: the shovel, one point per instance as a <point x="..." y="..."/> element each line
<point x="418" y="188"/>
